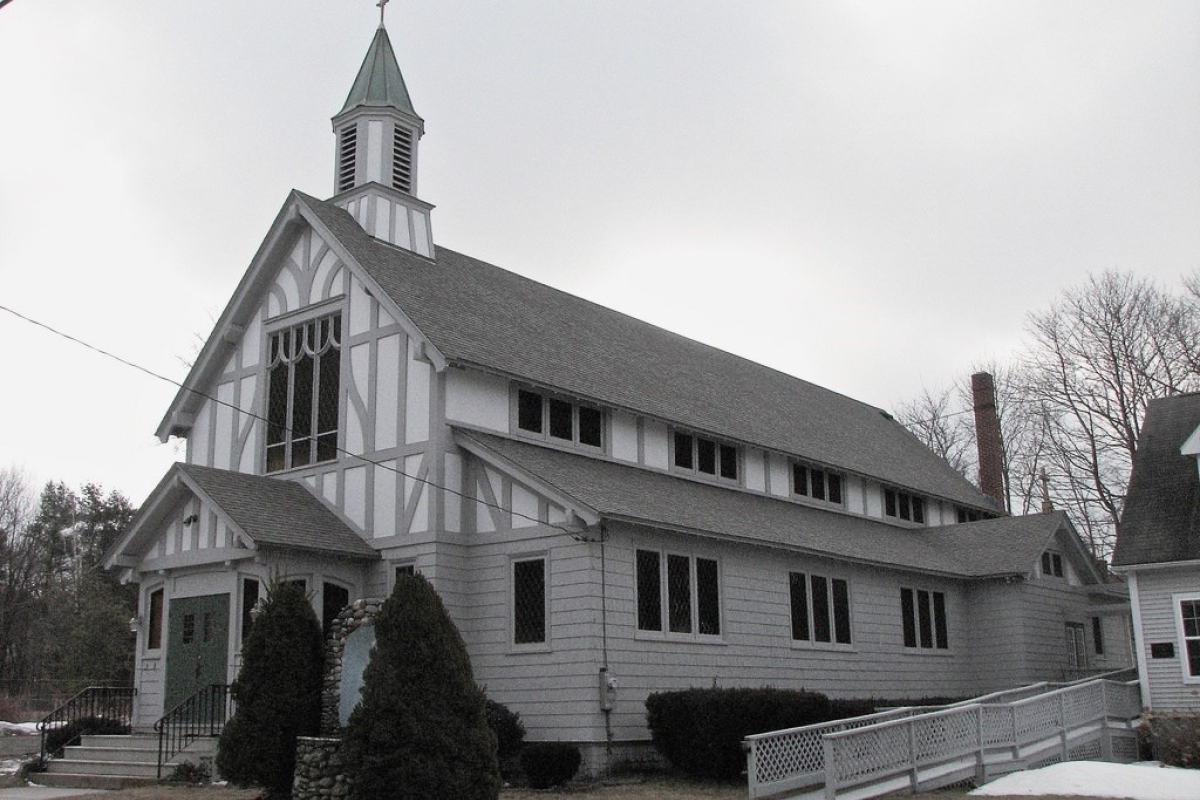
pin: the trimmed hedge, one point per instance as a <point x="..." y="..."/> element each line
<point x="550" y="764"/>
<point x="700" y="731"/>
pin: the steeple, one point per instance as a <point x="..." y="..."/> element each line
<point x="377" y="133"/>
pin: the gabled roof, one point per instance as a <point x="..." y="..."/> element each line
<point x="379" y="82"/>
<point x="262" y="512"/>
<point x="1003" y="547"/>
<point x="278" y="512"/>
<point x="481" y="316"/>
<point x="1161" y="521"/>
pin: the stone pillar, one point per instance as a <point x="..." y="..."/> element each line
<point x="320" y="774"/>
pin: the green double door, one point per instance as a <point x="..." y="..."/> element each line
<point x="197" y="646"/>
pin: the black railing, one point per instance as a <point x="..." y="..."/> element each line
<point x="202" y="714"/>
<point x="98" y="708"/>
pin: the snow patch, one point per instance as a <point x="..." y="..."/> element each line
<point x="1143" y="781"/>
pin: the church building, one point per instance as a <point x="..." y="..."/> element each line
<point x="607" y="509"/>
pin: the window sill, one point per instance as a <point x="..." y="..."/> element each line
<point x="525" y="649"/>
<point x="680" y="638"/>
<point x="929" y="651"/>
<point x="825" y="647"/>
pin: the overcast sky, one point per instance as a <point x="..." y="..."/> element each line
<point x="869" y="196"/>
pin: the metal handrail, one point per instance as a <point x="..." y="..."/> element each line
<point x="105" y="702"/>
<point x="203" y="714"/>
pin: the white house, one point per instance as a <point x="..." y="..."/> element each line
<point x="1158" y="548"/>
<point x="592" y="496"/>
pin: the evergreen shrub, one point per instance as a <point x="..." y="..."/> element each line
<point x="420" y="731"/>
<point x="278" y="693"/>
<point x="1174" y="738"/>
<point x="550" y="764"/>
<point x="510" y="735"/>
<point x="700" y="731"/>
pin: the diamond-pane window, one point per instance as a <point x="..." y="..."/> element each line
<point x="529" y="601"/>
<point x="649" y="591"/>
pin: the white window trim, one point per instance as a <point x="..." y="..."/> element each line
<point x="544" y="435"/>
<point x="666" y="634"/>
<point x="811" y="643"/>
<point x="511" y="626"/>
<point x="1181" y="639"/>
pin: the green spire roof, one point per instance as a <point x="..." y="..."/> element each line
<point x="379" y="82"/>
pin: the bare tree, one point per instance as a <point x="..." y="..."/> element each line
<point x="936" y="418"/>
<point x="1071" y="404"/>
<point x="18" y="576"/>
<point x="1093" y="361"/>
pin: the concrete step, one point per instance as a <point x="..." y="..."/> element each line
<point x="89" y="753"/>
<point x="127" y="742"/>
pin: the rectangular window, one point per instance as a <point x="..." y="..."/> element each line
<point x="529" y="601"/>
<point x="708" y="601"/>
<point x="923" y="619"/>
<point x="249" y="601"/>
<point x="798" y="583"/>
<point x="1098" y="635"/>
<point x="1052" y="565"/>
<point x="691" y="603"/>
<point x="649" y="591"/>
<point x="1076" y="650"/>
<point x="1189" y="624"/>
<point x="820" y="608"/>
<point x="189" y="628"/>
<point x="816" y="483"/>
<point x="679" y="594"/>
<point x="155" y="633"/>
<point x="903" y="505"/>
<point x="558" y="419"/>
<point x="334" y="600"/>
<point x="303" y="393"/>
<point x="698" y="454"/>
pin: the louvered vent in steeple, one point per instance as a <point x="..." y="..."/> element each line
<point x="347" y="149"/>
<point x="402" y="147"/>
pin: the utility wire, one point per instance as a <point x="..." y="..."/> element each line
<point x="342" y="451"/>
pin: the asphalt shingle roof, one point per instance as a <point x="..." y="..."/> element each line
<point x="482" y="316"/>
<point x="1161" y="521"/>
<point x="278" y="512"/>
<point x="1003" y="546"/>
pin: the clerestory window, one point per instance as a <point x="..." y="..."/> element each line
<point x="903" y="505"/>
<point x="559" y="420"/>
<point x="816" y="483"/>
<point x="304" y="393"/>
<point x="694" y="453"/>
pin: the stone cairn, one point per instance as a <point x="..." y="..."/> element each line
<point x="320" y="771"/>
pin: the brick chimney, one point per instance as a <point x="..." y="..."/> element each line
<point x="987" y="436"/>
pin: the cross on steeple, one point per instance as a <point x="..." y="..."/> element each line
<point x="382" y="7"/>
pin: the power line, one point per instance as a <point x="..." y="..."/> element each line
<point x="342" y="451"/>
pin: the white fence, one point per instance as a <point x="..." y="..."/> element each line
<point x="919" y="748"/>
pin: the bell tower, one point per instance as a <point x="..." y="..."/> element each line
<point x="377" y="135"/>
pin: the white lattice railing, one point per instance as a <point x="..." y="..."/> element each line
<point x="912" y="747"/>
